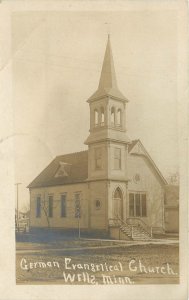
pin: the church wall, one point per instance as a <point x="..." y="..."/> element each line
<point x="70" y="221"/>
<point x="150" y="183"/>
<point x="98" y="191"/>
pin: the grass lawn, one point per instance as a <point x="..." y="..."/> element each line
<point x="69" y="262"/>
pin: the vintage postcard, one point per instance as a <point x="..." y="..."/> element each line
<point x="98" y="133"/>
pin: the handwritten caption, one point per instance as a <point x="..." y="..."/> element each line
<point x="86" y="273"/>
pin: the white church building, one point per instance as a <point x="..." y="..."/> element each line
<point x="114" y="188"/>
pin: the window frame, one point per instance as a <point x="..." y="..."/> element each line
<point x="119" y="117"/>
<point x="102" y="116"/>
<point x="95" y="204"/>
<point x="98" y="158"/>
<point x="38" y="206"/>
<point x="50" y="206"/>
<point x="113" y="116"/>
<point x="96" y="117"/>
<point x="117" y="159"/>
<point x="63" y="215"/>
<point x="141" y="213"/>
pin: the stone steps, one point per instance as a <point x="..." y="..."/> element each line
<point x="138" y="232"/>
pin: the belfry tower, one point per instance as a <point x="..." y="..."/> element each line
<point x="107" y="137"/>
<point x="107" y="141"/>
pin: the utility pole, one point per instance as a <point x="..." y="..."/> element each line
<point x="17" y="213"/>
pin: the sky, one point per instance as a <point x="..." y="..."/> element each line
<point x="57" y="60"/>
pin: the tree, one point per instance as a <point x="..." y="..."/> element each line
<point x="48" y="205"/>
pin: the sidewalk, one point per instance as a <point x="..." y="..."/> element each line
<point x="116" y="244"/>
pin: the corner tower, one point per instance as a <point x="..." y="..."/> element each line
<point x="107" y="140"/>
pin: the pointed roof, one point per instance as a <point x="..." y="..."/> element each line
<point x="75" y="165"/>
<point x="108" y="76"/>
<point x="108" y="83"/>
<point x="137" y="148"/>
<point x="77" y="171"/>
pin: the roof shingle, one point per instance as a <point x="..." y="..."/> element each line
<point x="78" y="170"/>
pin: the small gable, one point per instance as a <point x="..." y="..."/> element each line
<point x="63" y="170"/>
<point x="137" y="148"/>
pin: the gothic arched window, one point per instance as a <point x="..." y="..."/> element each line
<point x="119" y="117"/>
<point x="102" y="116"/>
<point x="113" y="116"/>
<point x="96" y="117"/>
<point x="118" y="193"/>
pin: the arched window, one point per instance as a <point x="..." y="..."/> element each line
<point x="113" y="116"/>
<point x="119" y="117"/>
<point x="118" y="193"/>
<point x="102" y="116"/>
<point x="96" y="117"/>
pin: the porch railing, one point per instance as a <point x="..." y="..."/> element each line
<point x="139" y="222"/>
<point x="130" y="223"/>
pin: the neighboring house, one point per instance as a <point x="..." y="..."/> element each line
<point x="113" y="188"/>
<point x="22" y="215"/>
<point x="22" y="224"/>
<point x="172" y="208"/>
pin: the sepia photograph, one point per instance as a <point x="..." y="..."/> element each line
<point x="94" y="148"/>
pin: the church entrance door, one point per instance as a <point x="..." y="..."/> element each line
<point x="118" y="204"/>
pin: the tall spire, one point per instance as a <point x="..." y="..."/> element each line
<point x="108" y="83"/>
<point x="108" y="76"/>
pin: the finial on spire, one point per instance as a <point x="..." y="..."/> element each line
<point x="107" y="28"/>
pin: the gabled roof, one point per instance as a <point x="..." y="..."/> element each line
<point x="77" y="171"/>
<point x="77" y="168"/>
<point x="141" y="151"/>
<point x="108" y="83"/>
<point x="132" y="144"/>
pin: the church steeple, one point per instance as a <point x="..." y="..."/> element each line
<point x="108" y="76"/>
<point x="108" y="83"/>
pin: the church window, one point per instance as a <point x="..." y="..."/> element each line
<point x="112" y="116"/>
<point x="98" y="158"/>
<point x="63" y="205"/>
<point x="118" y="193"/>
<point x="117" y="158"/>
<point x="137" y="205"/>
<point x="77" y="205"/>
<point x="38" y="207"/>
<point x="50" y="212"/>
<point x="102" y="116"/>
<point x="97" y="204"/>
<point x="131" y="205"/>
<point x="119" y="117"/>
<point x="96" y="117"/>
<point x="143" y="205"/>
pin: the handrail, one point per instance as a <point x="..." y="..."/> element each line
<point x="140" y="223"/>
<point x="117" y="220"/>
<point x="126" y="225"/>
<point x="130" y="223"/>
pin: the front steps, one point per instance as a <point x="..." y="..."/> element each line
<point x="122" y="230"/>
<point x="135" y="232"/>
